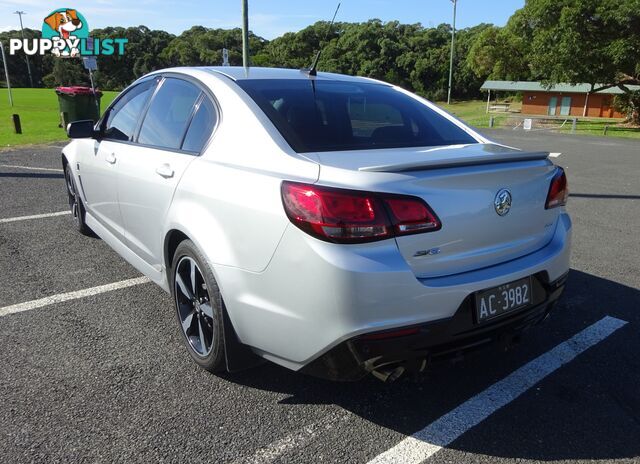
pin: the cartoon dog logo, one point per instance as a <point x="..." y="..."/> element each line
<point x="65" y="23"/>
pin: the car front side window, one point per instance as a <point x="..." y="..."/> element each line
<point x="122" y="119"/>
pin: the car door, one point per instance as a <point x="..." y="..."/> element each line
<point x="100" y="169"/>
<point x="168" y="141"/>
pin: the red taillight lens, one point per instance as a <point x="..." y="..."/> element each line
<point x="558" y="191"/>
<point x="411" y="215"/>
<point x="335" y="215"/>
<point x="349" y="216"/>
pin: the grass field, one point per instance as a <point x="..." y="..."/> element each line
<point x="474" y="113"/>
<point x="38" y="110"/>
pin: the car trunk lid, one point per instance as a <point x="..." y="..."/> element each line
<point x="461" y="185"/>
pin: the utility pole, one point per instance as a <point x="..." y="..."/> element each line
<point x="6" y="73"/>
<point x="453" y="37"/>
<point x="20" y="13"/>
<point x="245" y="33"/>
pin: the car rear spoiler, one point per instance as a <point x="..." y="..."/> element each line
<point x="454" y="162"/>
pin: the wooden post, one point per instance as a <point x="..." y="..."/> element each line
<point x="488" y="100"/>
<point x="17" y="127"/>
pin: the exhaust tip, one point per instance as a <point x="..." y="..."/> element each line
<point x="388" y="375"/>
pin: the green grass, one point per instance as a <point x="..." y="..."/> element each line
<point x="597" y="127"/>
<point x="38" y="110"/>
<point x="474" y="113"/>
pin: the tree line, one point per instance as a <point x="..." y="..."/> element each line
<point x="592" y="41"/>
<point x="406" y="54"/>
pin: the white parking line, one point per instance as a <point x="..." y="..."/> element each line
<point x="298" y="439"/>
<point x="437" y="435"/>
<point x="31" y="168"/>
<point x="554" y="155"/>
<point x="61" y="297"/>
<point x="35" y="216"/>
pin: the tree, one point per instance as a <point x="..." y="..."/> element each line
<point x="466" y="81"/>
<point x="298" y="49"/>
<point x="593" y="41"/>
<point x="426" y="61"/>
<point x="67" y="72"/>
<point x="17" y="64"/>
<point x="502" y="52"/>
<point x="143" y="54"/>
<point x="201" y="46"/>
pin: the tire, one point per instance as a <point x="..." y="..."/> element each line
<point x="75" y="203"/>
<point x="198" y="307"/>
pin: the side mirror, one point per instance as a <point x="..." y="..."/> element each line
<point x="81" y="129"/>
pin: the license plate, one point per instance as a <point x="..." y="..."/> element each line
<point x="496" y="301"/>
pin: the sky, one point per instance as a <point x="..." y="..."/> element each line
<point x="267" y="18"/>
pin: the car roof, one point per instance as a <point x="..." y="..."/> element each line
<point x="238" y="73"/>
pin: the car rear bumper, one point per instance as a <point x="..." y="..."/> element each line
<point x="440" y="340"/>
<point x="316" y="298"/>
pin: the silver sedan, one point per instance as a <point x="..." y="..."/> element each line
<point x="334" y="225"/>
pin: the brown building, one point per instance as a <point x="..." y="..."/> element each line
<point x="559" y="100"/>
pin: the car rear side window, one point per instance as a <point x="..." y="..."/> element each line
<point x="169" y="114"/>
<point x="201" y="126"/>
<point x="124" y="115"/>
<point x="329" y="115"/>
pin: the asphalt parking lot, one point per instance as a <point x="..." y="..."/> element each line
<point x="103" y="377"/>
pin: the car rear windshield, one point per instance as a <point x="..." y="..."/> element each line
<point x="325" y="115"/>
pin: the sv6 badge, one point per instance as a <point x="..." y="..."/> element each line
<point x="431" y="252"/>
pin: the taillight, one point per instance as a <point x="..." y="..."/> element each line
<point x="558" y="190"/>
<point x="351" y="216"/>
<point x="411" y="215"/>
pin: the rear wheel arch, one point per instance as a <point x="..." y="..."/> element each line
<point x="238" y="356"/>
<point x="172" y="239"/>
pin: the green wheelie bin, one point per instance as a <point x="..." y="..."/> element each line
<point x="78" y="103"/>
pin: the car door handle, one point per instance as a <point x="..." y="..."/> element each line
<point x="164" y="170"/>
<point x="110" y="158"/>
